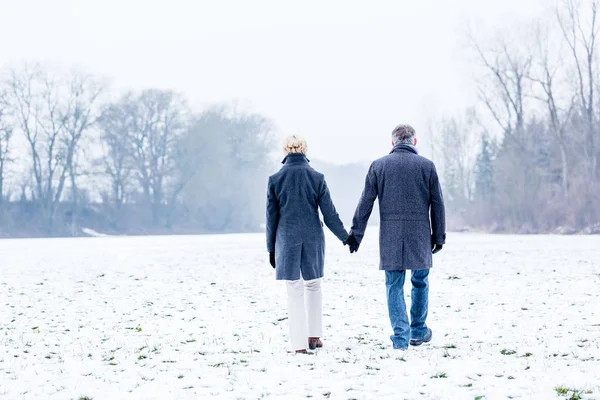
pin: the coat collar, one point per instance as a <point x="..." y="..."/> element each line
<point x="295" y="159"/>
<point x="404" y="147"/>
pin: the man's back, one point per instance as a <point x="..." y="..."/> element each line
<point x="403" y="185"/>
<point x="297" y="188"/>
<point x="409" y="193"/>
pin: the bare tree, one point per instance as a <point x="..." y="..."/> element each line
<point x="559" y="108"/>
<point x="158" y="122"/>
<point x="460" y="134"/>
<point x="580" y="37"/>
<point x="53" y="113"/>
<point x="505" y="92"/>
<point x="6" y="131"/>
<point x="116" y="124"/>
<point x="225" y="154"/>
<point x="78" y="114"/>
<point x="34" y="108"/>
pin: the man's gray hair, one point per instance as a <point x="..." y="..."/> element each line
<point x="403" y="134"/>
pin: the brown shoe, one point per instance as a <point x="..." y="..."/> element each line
<point x="314" y="343"/>
<point x="301" y="351"/>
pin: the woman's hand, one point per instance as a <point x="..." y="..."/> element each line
<point x="272" y="259"/>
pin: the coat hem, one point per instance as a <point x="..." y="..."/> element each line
<point x="277" y="278"/>
<point x="403" y="268"/>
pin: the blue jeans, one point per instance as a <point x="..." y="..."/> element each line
<point x="403" y="332"/>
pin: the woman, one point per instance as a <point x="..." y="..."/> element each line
<point x="296" y="242"/>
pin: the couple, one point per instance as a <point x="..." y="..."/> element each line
<point x="409" y="194"/>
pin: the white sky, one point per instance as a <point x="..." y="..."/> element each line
<point x="342" y="73"/>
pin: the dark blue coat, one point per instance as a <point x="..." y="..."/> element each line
<point x="294" y="229"/>
<point x="409" y="192"/>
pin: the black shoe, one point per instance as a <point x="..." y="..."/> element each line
<point x="425" y="339"/>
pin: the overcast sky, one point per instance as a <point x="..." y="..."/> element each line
<point x="342" y="73"/>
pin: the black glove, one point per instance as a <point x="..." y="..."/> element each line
<point x="352" y="243"/>
<point x="272" y="259"/>
<point x="437" y="248"/>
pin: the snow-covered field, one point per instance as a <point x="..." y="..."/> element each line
<point x="198" y="317"/>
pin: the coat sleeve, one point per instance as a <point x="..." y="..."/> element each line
<point x="330" y="215"/>
<point x="437" y="209"/>
<point x="272" y="216"/>
<point x="365" y="206"/>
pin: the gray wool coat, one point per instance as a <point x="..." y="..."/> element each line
<point x="294" y="229"/>
<point x="409" y="192"/>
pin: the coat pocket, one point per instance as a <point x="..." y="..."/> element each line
<point x="391" y="245"/>
<point x="417" y="245"/>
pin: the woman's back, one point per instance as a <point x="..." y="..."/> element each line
<point x="297" y="187"/>
<point x="294" y="230"/>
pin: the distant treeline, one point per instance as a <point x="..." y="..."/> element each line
<point x="526" y="158"/>
<point x="70" y="158"/>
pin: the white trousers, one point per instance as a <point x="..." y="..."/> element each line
<point x="305" y="311"/>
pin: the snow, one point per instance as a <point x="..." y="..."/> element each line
<point x="194" y="317"/>
<point x="93" y="233"/>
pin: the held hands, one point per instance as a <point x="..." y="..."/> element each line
<point x="272" y="259"/>
<point x="352" y="244"/>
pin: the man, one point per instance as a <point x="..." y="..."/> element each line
<point x="409" y="193"/>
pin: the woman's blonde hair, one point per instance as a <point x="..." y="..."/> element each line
<point x="295" y="145"/>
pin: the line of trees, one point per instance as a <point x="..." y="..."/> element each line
<point x="525" y="159"/>
<point x="72" y="158"/>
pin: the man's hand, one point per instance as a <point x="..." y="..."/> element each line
<point x="272" y="259"/>
<point x="437" y="248"/>
<point x="353" y="244"/>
